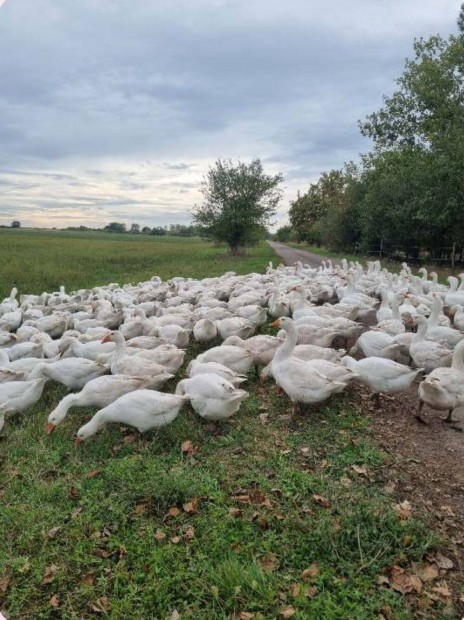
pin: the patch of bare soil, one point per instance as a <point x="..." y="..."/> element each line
<point x="426" y="461"/>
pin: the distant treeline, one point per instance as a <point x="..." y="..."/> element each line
<point x="407" y="195"/>
<point x="175" y="230"/>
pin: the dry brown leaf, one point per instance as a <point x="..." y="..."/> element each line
<point x="101" y="605"/>
<point x="346" y="482"/>
<point x="175" y="540"/>
<point x="429" y="572"/>
<point x="295" y="590"/>
<point x="390" y="487"/>
<point x="191" y="506"/>
<point x="54" y="601"/>
<point x="175" y="615"/>
<point x="360" y="470"/>
<point x="444" y="562"/>
<point x="49" y="574"/>
<point x="246" y="615"/>
<point x="404" y="583"/>
<point x="89" y="579"/>
<point x="188" y="448"/>
<point x="269" y="562"/>
<point x="321" y="500"/>
<point x="288" y="612"/>
<point x="311" y="591"/>
<point x="442" y="590"/>
<point x="93" y="473"/>
<point x="403" y="510"/>
<point x="53" y="532"/>
<point x="243" y="499"/>
<point x="140" y="509"/>
<point x="5" y="582"/>
<point x="310" y="572"/>
<point x="189" y="533"/>
<point x="305" y="450"/>
<point x="173" y="512"/>
<point x="235" y="512"/>
<point x="160" y="535"/>
<point x="263" y="417"/>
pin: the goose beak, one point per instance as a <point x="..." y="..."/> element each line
<point x="107" y="338"/>
<point x="78" y="441"/>
<point x="276" y="323"/>
<point x="50" y="428"/>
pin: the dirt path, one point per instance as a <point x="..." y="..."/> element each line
<point x="291" y="255"/>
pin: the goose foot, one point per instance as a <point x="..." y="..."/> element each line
<point x="376" y="400"/>
<point x="418" y="415"/>
<point x="278" y="390"/>
<point x="449" y="418"/>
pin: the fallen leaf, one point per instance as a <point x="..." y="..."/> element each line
<point x="54" y="601"/>
<point x="321" y="500"/>
<point x="403" y="510"/>
<point x="49" y="574"/>
<point x="101" y="605"/>
<point x="295" y="590"/>
<point x="263" y="417"/>
<point x="246" y="615"/>
<point x="390" y="487"/>
<point x="336" y="526"/>
<point x="188" y="448"/>
<point x="93" y="473"/>
<point x="73" y="493"/>
<point x="191" y="507"/>
<point x="53" y="532"/>
<point x="346" y="482"/>
<point x="173" y="512"/>
<point x="243" y="499"/>
<point x="160" y="535"/>
<point x="140" y="509"/>
<point x="269" y="562"/>
<point x="444" y="562"/>
<point x="5" y="582"/>
<point x="429" y="572"/>
<point x="235" y="512"/>
<point x="310" y="572"/>
<point x="360" y="470"/>
<point x="288" y="612"/>
<point x="442" y="590"/>
<point x="89" y="579"/>
<point x="311" y="591"/>
<point x="189" y="533"/>
<point x="175" y="540"/>
<point x="404" y="583"/>
<point x="305" y="450"/>
<point x="175" y="615"/>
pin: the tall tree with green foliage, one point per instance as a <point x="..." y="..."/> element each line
<point x="239" y="201"/>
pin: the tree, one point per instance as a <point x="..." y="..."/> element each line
<point x="15" y="224"/>
<point x="115" y="227"/>
<point x="239" y="200"/>
<point x="146" y="230"/>
<point x="283" y="234"/>
<point x="135" y="229"/>
<point x="158" y="230"/>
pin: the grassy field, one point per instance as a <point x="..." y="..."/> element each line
<point x="272" y="518"/>
<point x="37" y="261"/>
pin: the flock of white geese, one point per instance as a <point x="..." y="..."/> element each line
<point x="115" y="347"/>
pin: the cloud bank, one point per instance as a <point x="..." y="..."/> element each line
<point x="113" y="110"/>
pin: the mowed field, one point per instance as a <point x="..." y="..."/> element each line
<point x="35" y="261"/>
<point x="273" y="517"/>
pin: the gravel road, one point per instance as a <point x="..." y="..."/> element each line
<point x="291" y="255"/>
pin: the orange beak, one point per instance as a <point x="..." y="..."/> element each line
<point x="276" y="323"/>
<point x="107" y="338"/>
<point x="50" y="428"/>
<point x="78" y="441"/>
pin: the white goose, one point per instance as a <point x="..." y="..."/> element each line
<point x="143" y="409"/>
<point x="305" y="382"/>
<point x="99" y="392"/>
<point x="197" y="368"/>
<point x="211" y="396"/>
<point x="19" y="396"/>
<point x="428" y="354"/>
<point x="443" y="389"/>
<point x="73" y="372"/>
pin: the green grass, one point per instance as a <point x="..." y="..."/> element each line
<point x="86" y="531"/>
<point x="37" y="261"/>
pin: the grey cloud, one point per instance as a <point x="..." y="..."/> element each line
<point x="123" y="98"/>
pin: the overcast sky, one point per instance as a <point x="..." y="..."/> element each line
<point x="114" y="109"/>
